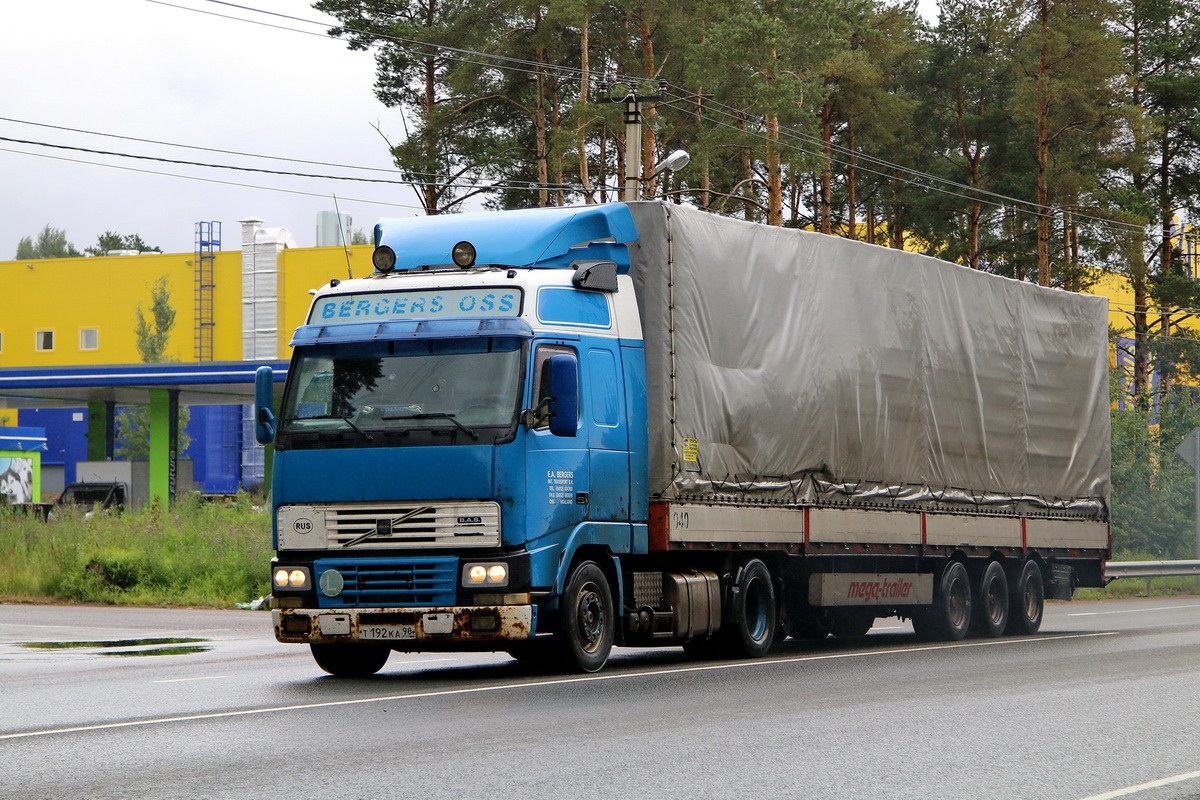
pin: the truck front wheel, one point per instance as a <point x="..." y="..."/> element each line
<point x="586" y="635"/>
<point x="350" y="660"/>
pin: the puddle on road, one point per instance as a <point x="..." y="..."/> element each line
<point x="144" y="647"/>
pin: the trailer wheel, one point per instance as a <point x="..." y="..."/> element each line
<point x="753" y="612"/>
<point x="587" y="626"/>
<point x="991" y="602"/>
<point x="1027" y="598"/>
<point x="347" y="660"/>
<point x="949" y="618"/>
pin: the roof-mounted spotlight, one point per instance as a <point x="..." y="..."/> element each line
<point x="463" y="254"/>
<point x="384" y="258"/>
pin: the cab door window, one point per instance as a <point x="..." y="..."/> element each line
<point x="541" y="381"/>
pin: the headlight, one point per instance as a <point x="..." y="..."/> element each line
<point x="292" y="578"/>
<point x="489" y="575"/>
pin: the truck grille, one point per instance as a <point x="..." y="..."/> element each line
<point x="417" y="582"/>
<point x="389" y="526"/>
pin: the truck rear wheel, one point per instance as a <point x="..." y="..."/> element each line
<point x="752" y="612"/>
<point x="586" y="635"/>
<point x="350" y="660"/>
<point x="949" y="618"/>
<point x="1027" y="600"/>
<point x="991" y="602"/>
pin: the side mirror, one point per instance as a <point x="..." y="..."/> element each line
<point x="264" y="417"/>
<point x="563" y="390"/>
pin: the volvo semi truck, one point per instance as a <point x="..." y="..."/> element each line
<point x="555" y="431"/>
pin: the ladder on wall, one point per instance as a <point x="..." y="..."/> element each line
<point x="208" y="244"/>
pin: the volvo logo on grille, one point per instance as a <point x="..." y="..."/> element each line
<point x="470" y="520"/>
<point x="386" y="527"/>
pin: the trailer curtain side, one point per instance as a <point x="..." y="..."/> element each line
<point x="789" y="367"/>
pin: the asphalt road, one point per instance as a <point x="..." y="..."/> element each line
<point x="1105" y="703"/>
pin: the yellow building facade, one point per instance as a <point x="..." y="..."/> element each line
<point x="83" y="311"/>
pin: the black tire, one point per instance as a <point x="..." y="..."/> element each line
<point x="350" y="660"/>
<point x="1027" y="599"/>
<point x="752" y="612"/>
<point x="991" y="602"/>
<point x="949" y="618"/>
<point x="851" y="624"/>
<point x="588" y="623"/>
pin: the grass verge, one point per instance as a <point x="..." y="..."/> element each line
<point x="196" y="554"/>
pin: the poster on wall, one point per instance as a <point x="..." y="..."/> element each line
<point x="16" y="479"/>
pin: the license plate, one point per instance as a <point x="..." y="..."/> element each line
<point x="387" y="631"/>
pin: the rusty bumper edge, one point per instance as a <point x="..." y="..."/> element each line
<point x="414" y="628"/>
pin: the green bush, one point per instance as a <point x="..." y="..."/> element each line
<point x="197" y="553"/>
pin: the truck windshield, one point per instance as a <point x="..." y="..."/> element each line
<point x="396" y="393"/>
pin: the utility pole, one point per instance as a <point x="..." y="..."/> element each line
<point x="633" y="138"/>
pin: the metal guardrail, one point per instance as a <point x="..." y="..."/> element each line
<point x="1151" y="569"/>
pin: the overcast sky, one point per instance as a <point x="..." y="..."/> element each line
<point x="165" y="72"/>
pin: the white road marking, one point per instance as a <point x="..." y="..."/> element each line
<point x="1141" y="787"/>
<point x="615" y="676"/>
<point x="1130" y="610"/>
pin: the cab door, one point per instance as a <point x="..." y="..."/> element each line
<point x="558" y="486"/>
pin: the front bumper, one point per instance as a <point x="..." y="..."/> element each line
<point x="414" y="629"/>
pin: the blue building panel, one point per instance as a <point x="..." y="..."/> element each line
<point x="215" y="447"/>
<point x="66" y="436"/>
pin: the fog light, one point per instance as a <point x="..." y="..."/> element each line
<point x="485" y="623"/>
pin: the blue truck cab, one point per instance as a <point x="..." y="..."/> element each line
<point x="461" y="443"/>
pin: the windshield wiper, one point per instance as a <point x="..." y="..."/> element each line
<point x="345" y="419"/>
<point x="437" y="415"/>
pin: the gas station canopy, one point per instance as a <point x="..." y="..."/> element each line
<point x="205" y="383"/>
<point x="162" y="387"/>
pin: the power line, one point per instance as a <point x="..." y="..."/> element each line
<point x="203" y="180"/>
<point x="535" y="187"/>
<point x="141" y="140"/>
